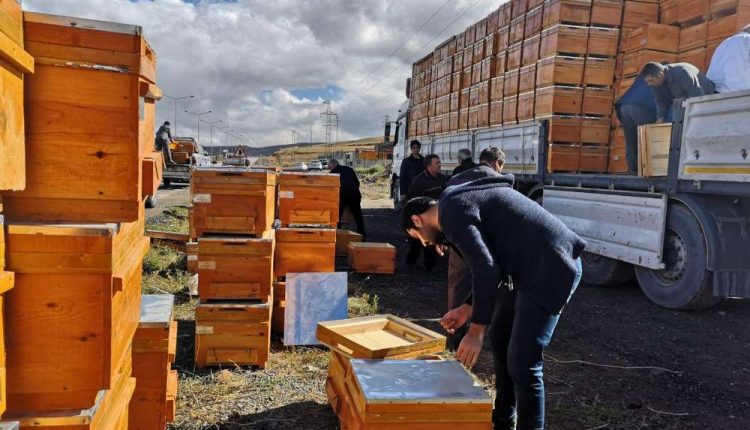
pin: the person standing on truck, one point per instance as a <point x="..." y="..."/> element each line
<point x="411" y="166"/>
<point x="636" y="107"/>
<point x="674" y="81"/>
<point x="349" y="194"/>
<point x="465" y="162"/>
<point x="730" y="66"/>
<point x="163" y="139"/>
<point x="500" y="231"/>
<point x="430" y="183"/>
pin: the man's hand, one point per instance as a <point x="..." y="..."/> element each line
<point x="441" y="249"/>
<point x="456" y="318"/>
<point x="660" y="121"/>
<point x="471" y="345"/>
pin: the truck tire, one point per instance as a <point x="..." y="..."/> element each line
<point x="600" y="270"/>
<point x="150" y="202"/>
<point x="685" y="283"/>
<point x="167" y="182"/>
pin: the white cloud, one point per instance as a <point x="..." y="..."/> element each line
<point x="244" y="59"/>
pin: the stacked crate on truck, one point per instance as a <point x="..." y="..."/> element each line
<point x="74" y="226"/>
<point x="231" y="220"/>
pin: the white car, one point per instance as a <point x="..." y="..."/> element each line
<point x="298" y="167"/>
<point x="315" y="165"/>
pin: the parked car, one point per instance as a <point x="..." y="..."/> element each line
<point x="315" y="165"/>
<point x="298" y="167"/>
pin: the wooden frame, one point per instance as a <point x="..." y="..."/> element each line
<point x="369" y="257"/>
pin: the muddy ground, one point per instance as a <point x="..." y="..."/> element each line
<point x="616" y="361"/>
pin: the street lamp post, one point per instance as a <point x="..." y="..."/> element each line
<point x="176" y="99"/>
<point x="199" y="114"/>
<point x="211" y="125"/>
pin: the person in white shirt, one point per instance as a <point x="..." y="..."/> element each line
<point x="730" y="65"/>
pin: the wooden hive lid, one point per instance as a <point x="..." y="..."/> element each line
<point x="64" y="229"/>
<point x="82" y="23"/>
<point x="306" y="235"/>
<point x="418" y="381"/>
<point x="156" y="310"/>
<point x="309" y="179"/>
<point x="372" y="245"/>
<point x="236" y="245"/>
<point x="379" y="336"/>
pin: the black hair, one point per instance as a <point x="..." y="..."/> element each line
<point x="166" y="123"/>
<point x="652" y="69"/>
<point x="490" y="155"/>
<point x="415" y="206"/>
<point x="415" y="142"/>
<point x="428" y="159"/>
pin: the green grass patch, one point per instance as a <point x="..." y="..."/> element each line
<point x="374" y="170"/>
<point x="174" y="219"/>
<point x="363" y="305"/>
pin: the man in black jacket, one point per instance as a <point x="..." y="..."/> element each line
<point x="349" y="194"/>
<point x="430" y="183"/>
<point x="465" y="162"/>
<point x="674" y="81"/>
<point x="162" y="141"/>
<point x="500" y="231"/>
<point x="411" y="166"/>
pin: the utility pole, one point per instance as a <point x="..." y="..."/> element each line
<point x="176" y="99"/>
<point x="211" y="125"/>
<point x="328" y="120"/>
<point x="199" y="114"/>
<point x="311" y="126"/>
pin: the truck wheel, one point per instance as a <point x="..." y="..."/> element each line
<point x="600" y="270"/>
<point x="395" y="190"/>
<point x="685" y="283"/>
<point x="150" y="202"/>
<point x="167" y="182"/>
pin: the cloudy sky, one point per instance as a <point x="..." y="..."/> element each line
<point x="265" y="67"/>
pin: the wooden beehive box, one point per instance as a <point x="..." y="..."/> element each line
<point x="567" y="11"/>
<point x="279" y="307"/>
<point x="6" y="283"/>
<point x="300" y="250"/>
<point x="564" y="128"/>
<point x="100" y="117"/>
<point x="652" y="36"/>
<point x="564" y="39"/>
<point x="690" y="11"/>
<point x="606" y="12"/>
<point x="369" y="257"/>
<point x="561" y="70"/>
<point x="153" y="171"/>
<point x="232" y="333"/>
<point x="653" y="149"/>
<point x="668" y="12"/>
<point x="599" y="71"/>
<point x="380" y="336"/>
<point x="527" y="78"/>
<point x="234" y="268"/>
<point x="636" y="13"/>
<point x="78" y="289"/>
<point x="434" y="394"/>
<point x="603" y="41"/>
<point x="696" y="57"/>
<point x="723" y="27"/>
<point x="154" y="349"/>
<point x="232" y="201"/>
<point x="308" y="199"/>
<point x="558" y="100"/>
<point x="526" y="106"/>
<point x="108" y="410"/>
<point x="634" y="61"/>
<point x="595" y="130"/>
<point x="14" y="63"/>
<point x="693" y="37"/>
<point x="343" y="237"/>
<point x="597" y="101"/>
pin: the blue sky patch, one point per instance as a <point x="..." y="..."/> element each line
<point x="330" y="91"/>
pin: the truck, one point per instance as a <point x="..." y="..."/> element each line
<point x="186" y="153"/>
<point x="682" y="237"/>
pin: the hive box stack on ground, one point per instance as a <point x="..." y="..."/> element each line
<point x="231" y="217"/>
<point x="373" y="338"/>
<point x="343" y="238"/>
<point x="368" y="257"/>
<point x="92" y="99"/>
<point x="153" y="171"/>
<point x="154" y="348"/>
<point x="306" y="241"/>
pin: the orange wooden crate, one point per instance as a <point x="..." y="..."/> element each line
<point x="369" y="257"/>
<point x="723" y="27"/>
<point x="634" y="61"/>
<point x="6" y="283"/>
<point x="279" y="307"/>
<point x="599" y="71"/>
<point x="558" y="100"/>
<point x="153" y="170"/>
<point x="517" y="29"/>
<point x="154" y="349"/>
<point x="692" y="10"/>
<point x="300" y="250"/>
<point x="503" y="38"/>
<point x="636" y="13"/>
<point x="526" y="106"/>
<point x="14" y="62"/>
<point x="597" y="101"/>
<point x="696" y="57"/>
<point x="652" y="36"/>
<point x="527" y="78"/>
<point x="576" y="158"/>
<point x="534" y="18"/>
<point x="308" y="199"/>
<point x="564" y="129"/>
<point x="79" y="285"/>
<point x="567" y="11"/>
<point x="496" y="113"/>
<point x="343" y="237"/>
<point x="511" y="81"/>
<point x="235" y="268"/>
<point x="100" y="118"/>
<point x="514" y="56"/>
<point x="595" y="130"/>
<point x="693" y="37"/>
<point x="618" y="162"/>
<point x="519" y="7"/>
<point x="560" y="70"/>
<point x="606" y="12"/>
<point x="603" y="41"/>
<point x="531" y="50"/>
<point x="496" y="88"/>
<point x="232" y="333"/>
<point x="510" y="110"/>
<point x="564" y="39"/>
<point x="668" y="13"/>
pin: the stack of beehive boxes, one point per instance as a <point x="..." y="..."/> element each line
<point x="231" y="217"/>
<point x="154" y="348"/>
<point x="306" y="239"/>
<point x="75" y="232"/>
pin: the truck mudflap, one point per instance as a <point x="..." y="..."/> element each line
<point x="625" y="226"/>
<point x="726" y="226"/>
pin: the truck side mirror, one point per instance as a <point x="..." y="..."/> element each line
<point x="387" y="133"/>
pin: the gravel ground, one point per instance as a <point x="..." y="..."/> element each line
<point x="616" y="362"/>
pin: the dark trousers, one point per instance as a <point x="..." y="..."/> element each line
<point x="631" y="116"/>
<point x="163" y="145"/>
<point x="521" y="330"/>
<point x="355" y="206"/>
<point x="415" y="248"/>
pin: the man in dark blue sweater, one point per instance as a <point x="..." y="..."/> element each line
<point x="499" y="231"/>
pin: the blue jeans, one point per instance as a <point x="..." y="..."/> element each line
<point x="521" y="330"/>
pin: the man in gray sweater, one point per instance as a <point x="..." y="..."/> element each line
<point x="674" y="81"/>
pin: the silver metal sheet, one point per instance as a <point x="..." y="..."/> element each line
<point x="417" y="381"/>
<point x="715" y="144"/>
<point x="312" y="298"/>
<point x="623" y="226"/>
<point x="9" y="425"/>
<point x="520" y="143"/>
<point x="156" y="309"/>
<point x="89" y="24"/>
<point x="447" y="147"/>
